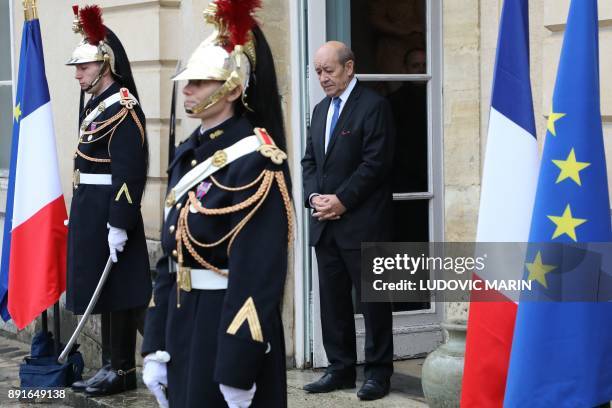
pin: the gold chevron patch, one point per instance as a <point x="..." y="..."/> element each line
<point x="249" y="313"/>
<point x="124" y="190"/>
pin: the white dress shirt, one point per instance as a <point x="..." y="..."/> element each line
<point x="330" y="111"/>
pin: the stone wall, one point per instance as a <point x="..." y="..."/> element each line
<point x="462" y="158"/>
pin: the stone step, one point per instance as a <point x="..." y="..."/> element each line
<point x="140" y="398"/>
<point x="405" y="388"/>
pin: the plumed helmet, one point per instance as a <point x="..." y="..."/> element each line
<point x="228" y="54"/>
<point x="100" y="44"/>
<point x="94" y="46"/>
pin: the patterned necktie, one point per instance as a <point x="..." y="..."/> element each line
<point x="336" y="101"/>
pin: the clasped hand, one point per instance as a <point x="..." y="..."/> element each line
<point x="327" y="207"/>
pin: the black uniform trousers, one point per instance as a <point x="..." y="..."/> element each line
<point x="192" y="339"/>
<point x="118" y="333"/>
<point x="339" y="271"/>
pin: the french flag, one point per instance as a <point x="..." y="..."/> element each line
<point x="507" y="197"/>
<point x="33" y="266"/>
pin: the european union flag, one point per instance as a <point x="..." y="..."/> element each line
<point x="562" y="351"/>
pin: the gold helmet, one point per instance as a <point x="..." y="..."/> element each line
<point x="228" y="54"/>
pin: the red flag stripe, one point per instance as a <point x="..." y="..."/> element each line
<point x="487" y="354"/>
<point x="37" y="263"/>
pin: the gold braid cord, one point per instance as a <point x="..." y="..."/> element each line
<point x="140" y="128"/>
<point x="246" y="186"/>
<point x="115" y="120"/>
<point x="280" y="180"/>
<point x="185" y="239"/>
<point x="91" y="159"/>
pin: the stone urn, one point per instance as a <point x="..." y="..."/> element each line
<point x="443" y="368"/>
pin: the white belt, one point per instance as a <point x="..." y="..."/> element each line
<point x="205" y="279"/>
<point x="91" y="178"/>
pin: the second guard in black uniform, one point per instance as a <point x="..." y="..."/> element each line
<point x="110" y="170"/>
<point x="213" y="334"/>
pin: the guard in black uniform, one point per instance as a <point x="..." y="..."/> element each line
<point x="213" y="333"/>
<point x="110" y="170"/>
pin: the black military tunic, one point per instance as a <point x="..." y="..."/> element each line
<point x="209" y="337"/>
<point x="122" y="153"/>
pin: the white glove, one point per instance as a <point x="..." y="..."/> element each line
<point x="237" y="397"/>
<point x="155" y="375"/>
<point x="117" y="238"/>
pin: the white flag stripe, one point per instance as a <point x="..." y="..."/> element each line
<point x="508" y="183"/>
<point x="37" y="180"/>
<point x="507" y="197"/>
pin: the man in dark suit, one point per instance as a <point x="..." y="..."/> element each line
<point x="346" y="168"/>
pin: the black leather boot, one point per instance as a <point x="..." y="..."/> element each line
<point x="80" y="386"/>
<point x="122" y="376"/>
<point x="115" y="382"/>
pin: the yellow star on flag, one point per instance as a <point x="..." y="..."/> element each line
<point x="17" y="112"/>
<point x="570" y="168"/>
<point x="552" y="118"/>
<point x="538" y="270"/>
<point x="566" y="224"/>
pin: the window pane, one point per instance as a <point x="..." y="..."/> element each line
<point x="6" y="124"/>
<point x="410" y="306"/>
<point x="411" y="222"/>
<point x="409" y="106"/>
<point x="5" y="41"/>
<point x="411" y="225"/>
<point x="383" y="32"/>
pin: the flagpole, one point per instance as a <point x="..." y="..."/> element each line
<point x="56" y="328"/>
<point x="33" y="9"/>
<point x="28" y="10"/>
<point x="43" y="316"/>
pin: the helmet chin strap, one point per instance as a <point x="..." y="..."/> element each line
<point x="228" y="86"/>
<point x="101" y="71"/>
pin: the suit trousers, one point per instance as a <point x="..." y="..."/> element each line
<point x="339" y="271"/>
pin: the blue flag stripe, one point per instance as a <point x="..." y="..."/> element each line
<point x="511" y="84"/>
<point x="34" y="70"/>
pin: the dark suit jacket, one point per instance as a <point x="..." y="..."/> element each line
<point x="356" y="168"/>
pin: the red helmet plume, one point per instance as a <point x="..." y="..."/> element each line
<point x="93" y="26"/>
<point x="237" y="16"/>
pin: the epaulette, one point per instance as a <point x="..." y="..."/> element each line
<point x="127" y="99"/>
<point x="268" y="148"/>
